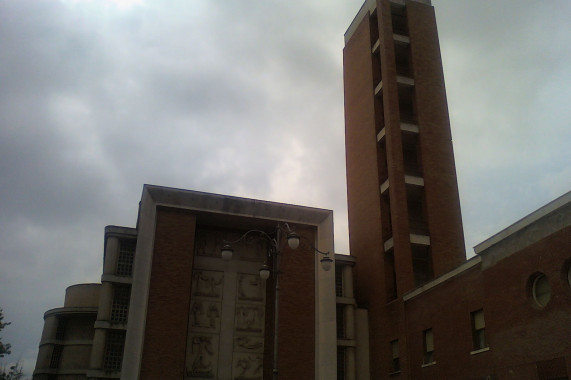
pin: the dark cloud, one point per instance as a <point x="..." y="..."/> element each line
<point x="96" y="100"/>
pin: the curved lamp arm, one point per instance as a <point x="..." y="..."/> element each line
<point x="293" y="241"/>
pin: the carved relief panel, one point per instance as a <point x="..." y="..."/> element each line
<point x="247" y="366"/>
<point x="247" y="363"/>
<point x="202" y="360"/>
<point x="204" y="323"/>
<point x="250" y="288"/>
<point x="226" y="316"/>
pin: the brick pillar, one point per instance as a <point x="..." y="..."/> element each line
<point x="166" y="330"/>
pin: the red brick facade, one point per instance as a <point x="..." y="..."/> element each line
<point x="372" y="161"/>
<point x="296" y="348"/>
<point x="525" y="342"/>
<point x="438" y="168"/>
<point x="520" y="333"/>
<point x="164" y="350"/>
<point x="167" y="315"/>
<point x="403" y="202"/>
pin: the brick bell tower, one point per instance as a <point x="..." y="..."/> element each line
<point x="405" y="224"/>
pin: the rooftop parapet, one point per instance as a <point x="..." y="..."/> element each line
<point x="82" y="295"/>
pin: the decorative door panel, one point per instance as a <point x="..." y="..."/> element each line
<point x="227" y="311"/>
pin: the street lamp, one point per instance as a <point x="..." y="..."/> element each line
<point x="274" y="250"/>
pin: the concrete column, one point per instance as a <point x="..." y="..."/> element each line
<point x="105" y="300"/>
<point x="348" y="281"/>
<point x="350" y="363"/>
<point x="50" y="328"/>
<point x="349" y="316"/>
<point x="44" y="356"/>
<point x="48" y="333"/>
<point x="111" y="255"/>
<point x="98" y="349"/>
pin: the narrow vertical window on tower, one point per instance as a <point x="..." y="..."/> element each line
<point x="478" y="330"/>
<point x="421" y="264"/>
<point x="374" y="29"/>
<point x="428" y="342"/>
<point x="407" y="108"/>
<point x="386" y="224"/>
<point x="395" y="361"/>
<point x="411" y="154"/>
<point x="390" y="275"/>
<point x="416" y="212"/>
<point x="375" y="49"/>
<point x="398" y="19"/>
<point x="402" y="56"/>
<point x="382" y="167"/>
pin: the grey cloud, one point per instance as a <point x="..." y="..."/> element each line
<point x="241" y="100"/>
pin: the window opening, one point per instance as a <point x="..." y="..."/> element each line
<point x="390" y="275"/>
<point x="478" y="330"/>
<point x="540" y="289"/>
<point x="339" y="281"/>
<point x="398" y="18"/>
<point x="428" y="346"/>
<point x="126" y="256"/>
<point x="120" y="306"/>
<point x="340" y="316"/>
<point x="421" y="264"/>
<point x="395" y="362"/>
<point x="56" y="356"/>
<point x="114" y="350"/>
<point x="340" y="363"/>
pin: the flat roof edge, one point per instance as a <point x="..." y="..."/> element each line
<point x="368" y="6"/>
<point x="443" y="278"/>
<point x="120" y="230"/>
<point x="161" y="196"/>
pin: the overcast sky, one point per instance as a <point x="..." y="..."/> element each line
<point x="244" y="98"/>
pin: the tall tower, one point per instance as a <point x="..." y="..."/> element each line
<point x="405" y="224"/>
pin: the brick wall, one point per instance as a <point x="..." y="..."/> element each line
<point x="525" y="342"/>
<point x="164" y="350"/>
<point x="519" y="332"/>
<point x="440" y="184"/>
<point x="296" y="349"/>
<point x="446" y="309"/>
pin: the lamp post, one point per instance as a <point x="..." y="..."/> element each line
<point x="274" y="251"/>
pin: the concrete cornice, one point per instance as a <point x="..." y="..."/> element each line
<point x="231" y="205"/>
<point x="72" y="342"/>
<point x="70" y="310"/>
<point x="120" y="231"/>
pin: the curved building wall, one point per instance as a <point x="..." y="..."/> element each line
<point x="67" y="337"/>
